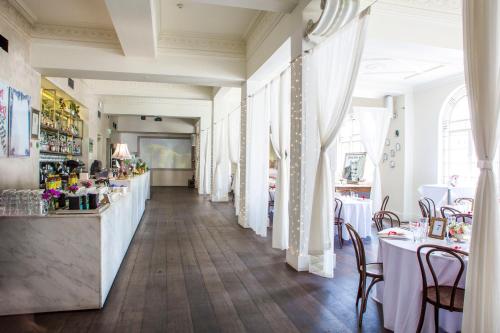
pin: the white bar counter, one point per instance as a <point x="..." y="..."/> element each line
<point x="67" y="262"/>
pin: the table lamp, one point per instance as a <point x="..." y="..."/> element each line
<point x="121" y="153"/>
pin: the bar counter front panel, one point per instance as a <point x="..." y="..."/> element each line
<point x="67" y="262"/>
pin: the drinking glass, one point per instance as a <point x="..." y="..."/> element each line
<point x="424" y="227"/>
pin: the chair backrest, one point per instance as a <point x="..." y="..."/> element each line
<point x="455" y="254"/>
<point x="382" y="215"/>
<point x="359" y="248"/>
<point x="338" y="207"/>
<point x="469" y="201"/>
<point x="427" y="207"/>
<point x="449" y="211"/>
<point x="465" y="218"/>
<point x="384" y="203"/>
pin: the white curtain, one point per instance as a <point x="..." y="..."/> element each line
<point x="280" y="139"/>
<point x="204" y="187"/>
<point x="482" y="72"/>
<point x="334" y="68"/>
<point x="221" y="172"/>
<point x="374" y="125"/>
<point x="257" y="179"/>
<point x="234" y="153"/>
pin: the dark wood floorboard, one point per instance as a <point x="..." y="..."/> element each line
<point x="191" y="268"/>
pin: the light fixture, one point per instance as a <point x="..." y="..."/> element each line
<point x="158" y="119"/>
<point x="121" y="153"/>
<point x="180" y="5"/>
<point x="143" y="117"/>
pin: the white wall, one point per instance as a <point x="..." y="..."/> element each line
<point x="16" y="71"/>
<point x="149" y="125"/>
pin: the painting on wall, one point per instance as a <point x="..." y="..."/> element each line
<point x="4" y="120"/>
<point x="19" y="123"/>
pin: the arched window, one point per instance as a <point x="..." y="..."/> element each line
<point x="458" y="155"/>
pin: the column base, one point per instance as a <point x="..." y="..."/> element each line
<point x="299" y="262"/>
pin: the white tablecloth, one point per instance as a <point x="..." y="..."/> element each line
<point x="401" y="291"/>
<point x="439" y="193"/>
<point x="357" y="212"/>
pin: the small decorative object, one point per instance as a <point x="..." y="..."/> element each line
<point x="387" y="142"/>
<point x="385" y="157"/>
<point x="62" y="200"/>
<point x="393" y="153"/>
<point x="392" y="164"/>
<point x="437" y="228"/>
<point x="86" y="183"/>
<point x="121" y="153"/>
<point x="457" y="230"/>
<point x="73" y="189"/>
<point x="84" y="202"/>
<point x="396" y="133"/>
<point x="74" y="202"/>
<point x="398" y="147"/>
<point x="453" y="180"/>
<point x="354" y="167"/>
<point x="35" y="124"/>
<point x="51" y="197"/>
<point x="93" y="199"/>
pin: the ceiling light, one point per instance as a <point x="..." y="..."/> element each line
<point x="158" y="119"/>
<point x="180" y="5"/>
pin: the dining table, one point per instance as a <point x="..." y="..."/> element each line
<point x="357" y="212"/>
<point x="401" y="291"/>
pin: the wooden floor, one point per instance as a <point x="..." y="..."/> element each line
<point x="191" y="268"/>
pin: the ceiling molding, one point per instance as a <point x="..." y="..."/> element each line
<point x="444" y="6"/>
<point x="201" y="44"/>
<point x="261" y="28"/>
<point x="76" y="34"/>
<point x="14" y="18"/>
<point x="135" y="100"/>
<point x="24" y="10"/>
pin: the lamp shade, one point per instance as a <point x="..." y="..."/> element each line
<point x="121" y="152"/>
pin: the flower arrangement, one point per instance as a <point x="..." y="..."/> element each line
<point x="51" y="194"/>
<point x="86" y="183"/>
<point x="458" y="229"/>
<point x="73" y="189"/>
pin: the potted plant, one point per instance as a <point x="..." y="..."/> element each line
<point x="51" y="197"/>
<point x="74" y="199"/>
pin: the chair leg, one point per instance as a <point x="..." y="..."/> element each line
<point x="422" y="315"/>
<point x="374" y="281"/>
<point x="363" y="301"/>
<point x="358" y="296"/>
<point x="341" y="241"/>
<point x="436" y="319"/>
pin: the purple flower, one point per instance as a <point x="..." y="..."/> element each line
<point x="73" y="188"/>
<point x="46" y="196"/>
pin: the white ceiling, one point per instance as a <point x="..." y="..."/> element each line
<point x="73" y="13"/>
<point x="205" y="19"/>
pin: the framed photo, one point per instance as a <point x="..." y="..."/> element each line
<point x="4" y="120"/>
<point x="437" y="228"/>
<point x="19" y="123"/>
<point x="35" y="123"/>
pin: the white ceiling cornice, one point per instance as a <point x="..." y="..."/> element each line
<point x="75" y="34"/>
<point x="261" y="28"/>
<point x="202" y="44"/>
<point x="444" y="6"/>
<point x="14" y="18"/>
<point x="24" y="10"/>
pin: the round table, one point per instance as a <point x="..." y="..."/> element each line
<point x="357" y="212"/>
<point x="401" y="291"/>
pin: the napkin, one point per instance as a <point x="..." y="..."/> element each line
<point x="393" y="233"/>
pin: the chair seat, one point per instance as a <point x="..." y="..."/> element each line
<point x="445" y="297"/>
<point x="374" y="270"/>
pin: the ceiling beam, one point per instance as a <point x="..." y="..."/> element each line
<point x="135" y="23"/>
<point x="281" y="6"/>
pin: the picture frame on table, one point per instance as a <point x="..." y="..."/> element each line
<point x="35" y="123"/>
<point x="437" y="228"/>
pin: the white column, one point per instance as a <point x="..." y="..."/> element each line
<point x="242" y="216"/>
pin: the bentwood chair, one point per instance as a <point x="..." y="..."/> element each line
<point x="338" y="220"/>
<point x="427" y="207"/>
<point x="449" y="211"/>
<point x="468" y="201"/>
<point x="384" y="203"/>
<point x="365" y="270"/>
<point x="448" y="297"/>
<point x="379" y="217"/>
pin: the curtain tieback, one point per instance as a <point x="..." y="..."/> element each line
<point x="485" y="164"/>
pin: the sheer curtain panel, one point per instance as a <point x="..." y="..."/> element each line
<point x="234" y="153"/>
<point x="334" y="68"/>
<point x="204" y="161"/>
<point x="221" y="172"/>
<point x="280" y="139"/>
<point x="374" y="125"/>
<point x="481" y="25"/>
<point x="257" y="180"/>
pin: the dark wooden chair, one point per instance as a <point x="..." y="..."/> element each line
<point x="270" y="208"/>
<point x="379" y="217"/>
<point x="468" y="201"/>
<point x="446" y="297"/>
<point x="449" y="211"/>
<point x="427" y="207"/>
<point x="338" y="221"/>
<point x="384" y="203"/>
<point x="365" y="270"/>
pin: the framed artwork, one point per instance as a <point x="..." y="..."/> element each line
<point x="437" y="228"/>
<point x="35" y="123"/>
<point x="354" y="166"/>
<point x="19" y="123"/>
<point x="4" y="120"/>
